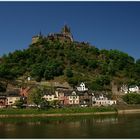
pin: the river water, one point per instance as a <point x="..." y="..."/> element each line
<point x="104" y="126"/>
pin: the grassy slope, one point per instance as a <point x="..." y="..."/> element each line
<point x="56" y="111"/>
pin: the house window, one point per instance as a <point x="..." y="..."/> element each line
<point x="74" y="97"/>
<point x="70" y="101"/>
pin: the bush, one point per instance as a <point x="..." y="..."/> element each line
<point x="132" y="98"/>
<point x="69" y="72"/>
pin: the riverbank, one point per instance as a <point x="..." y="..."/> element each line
<point x="128" y="111"/>
<point x="57" y="115"/>
<point x="65" y="112"/>
<point x="73" y="111"/>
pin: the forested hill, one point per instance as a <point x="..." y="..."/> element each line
<point x="72" y="62"/>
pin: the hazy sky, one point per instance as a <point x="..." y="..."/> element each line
<point x="107" y="25"/>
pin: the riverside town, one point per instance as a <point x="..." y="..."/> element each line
<point x="69" y="70"/>
<point x="50" y="77"/>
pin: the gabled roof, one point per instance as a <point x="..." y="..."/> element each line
<point x="15" y="93"/>
<point x="133" y="86"/>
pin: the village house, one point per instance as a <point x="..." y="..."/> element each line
<point x="51" y="96"/>
<point x="134" y="89"/>
<point x="24" y="91"/>
<point x="12" y="97"/>
<point x="71" y="98"/>
<point x="102" y="101"/>
<point x="3" y="100"/>
<point x="82" y="87"/>
<point x="61" y="97"/>
<point x="85" y="99"/>
<point x="131" y="89"/>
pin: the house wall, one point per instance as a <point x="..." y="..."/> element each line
<point x="50" y="97"/>
<point x="82" y="87"/>
<point x="2" y="102"/>
<point x="66" y="100"/>
<point x="24" y="91"/>
<point x="85" y="100"/>
<point x="125" y="89"/>
<point x="104" y="102"/>
<point x="73" y="100"/>
<point x="12" y="100"/>
<point x="61" y="98"/>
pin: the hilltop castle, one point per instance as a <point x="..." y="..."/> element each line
<point x="64" y="36"/>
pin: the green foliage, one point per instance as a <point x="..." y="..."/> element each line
<point x="37" y="72"/>
<point x="46" y="60"/>
<point x="36" y="96"/>
<point x="100" y="82"/>
<point x="93" y="64"/>
<point x="69" y="72"/>
<point x="5" y="72"/>
<point x="132" y="98"/>
<point x="57" y="110"/>
<point x="2" y="87"/>
<point x="19" y="103"/>
<point x="73" y="81"/>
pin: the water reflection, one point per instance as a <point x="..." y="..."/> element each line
<point x="111" y="126"/>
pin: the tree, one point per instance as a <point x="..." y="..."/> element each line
<point x="73" y="81"/>
<point x="69" y="72"/>
<point x="132" y="98"/>
<point x="5" y="72"/>
<point x="48" y="74"/>
<point x="92" y="64"/>
<point x="36" y="96"/>
<point x="37" y="72"/>
<point x="95" y="86"/>
<point x="2" y="87"/>
<point x="19" y="103"/>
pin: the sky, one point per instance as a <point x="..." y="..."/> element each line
<point x="106" y="25"/>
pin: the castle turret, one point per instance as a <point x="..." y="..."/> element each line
<point x="66" y="32"/>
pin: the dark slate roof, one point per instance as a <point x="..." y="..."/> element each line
<point x="14" y="93"/>
<point x="132" y="86"/>
<point x="48" y="92"/>
<point x="61" y="88"/>
<point x="2" y="95"/>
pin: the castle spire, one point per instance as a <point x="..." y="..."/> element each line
<point x="65" y="30"/>
<point x="40" y="34"/>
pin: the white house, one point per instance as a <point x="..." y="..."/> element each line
<point x="73" y="98"/>
<point x="134" y="89"/>
<point x="51" y="97"/>
<point x="12" y="99"/>
<point x="131" y="89"/>
<point x="82" y="87"/>
<point x="124" y="89"/>
<point x="102" y="101"/>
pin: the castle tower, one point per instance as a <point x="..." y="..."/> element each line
<point x="66" y="32"/>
